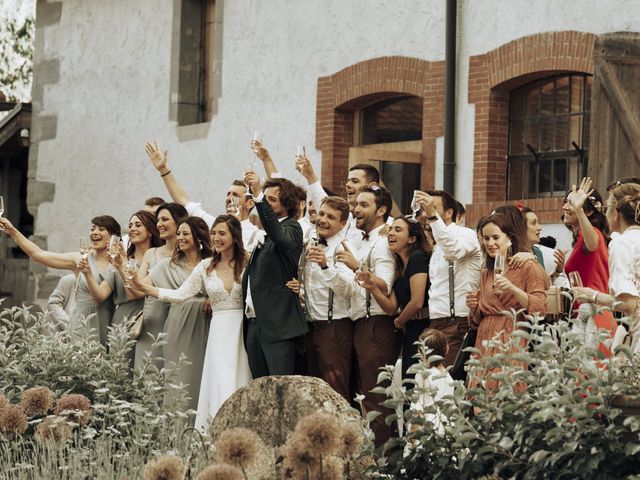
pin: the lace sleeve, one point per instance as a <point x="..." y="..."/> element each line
<point x="190" y="288"/>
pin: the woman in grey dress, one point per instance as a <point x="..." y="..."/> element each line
<point x="168" y="217"/>
<point x="187" y="326"/>
<point x="143" y="234"/>
<point x="102" y="227"/>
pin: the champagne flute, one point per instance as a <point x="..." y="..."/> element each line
<point x="114" y="246"/>
<point x="575" y="280"/>
<point x="415" y="208"/>
<point x="130" y="269"/>
<point x="85" y="247"/>
<point x="313" y="243"/>
<point x="498" y="268"/>
<point x="363" y="267"/>
<point x="234" y="206"/>
<point x="256" y="141"/>
<point x="1" y="205"/>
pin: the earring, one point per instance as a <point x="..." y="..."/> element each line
<point x="509" y="250"/>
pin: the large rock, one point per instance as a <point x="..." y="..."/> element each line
<point x="272" y="406"/>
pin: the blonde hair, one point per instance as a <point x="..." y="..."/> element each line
<point x="627" y="201"/>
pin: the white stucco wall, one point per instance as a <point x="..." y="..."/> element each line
<point x="113" y="93"/>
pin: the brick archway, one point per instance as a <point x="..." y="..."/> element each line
<point x="340" y="94"/>
<point x="491" y="77"/>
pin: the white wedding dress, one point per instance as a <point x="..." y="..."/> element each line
<point x="226" y="367"/>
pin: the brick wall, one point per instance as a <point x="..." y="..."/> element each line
<point x="491" y="77"/>
<point x="359" y="85"/>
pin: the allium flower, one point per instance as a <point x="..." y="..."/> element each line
<point x="167" y="467"/>
<point x="76" y="407"/>
<point x="53" y="429"/>
<point x="13" y="420"/>
<point x="237" y="446"/>
<point x="321" y="431"/>
<point x="299" y="455"/>
<point x="221" y="472"/>
<point x="351" y="439"/>
<point x="37" y="401"/>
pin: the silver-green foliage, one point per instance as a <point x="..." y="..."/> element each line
<point x="549" y="416"/>
<point x="130" y="421"/>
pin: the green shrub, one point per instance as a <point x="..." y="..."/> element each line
<point x="551" y="419"/>
<point x="130" y="418"/>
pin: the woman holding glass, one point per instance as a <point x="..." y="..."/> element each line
<point x="95" y="315"/>
<point x="411" y="251"/>
<point x="588" y="262"/>
<point x="168" y="217"/>
<point x="503" y="288"/>
<point x="226" y="367"/>
<point x="143" y="234"/>
<point x="623" y="214"/>
<point x="186" y="326"/>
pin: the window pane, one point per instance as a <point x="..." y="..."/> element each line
<point x="517" y="145"/>
<point x="516" y="178"/>
<point x="577" y="84"/>
<point x="532" y="131"/>
<point x="532" y="176"/>
<point x="546" y="99"/>
<point x="559" y="176"/>
<point x="546" y="134"/>
<point x="533" y="102"/>
<point x="575" y="134"/>
<point x="561" y="134"/>
<point x="401" y="179"/>
<point x="544" y="177"/>
<point x="562" y="96"/>
<point x="393" y="120"/>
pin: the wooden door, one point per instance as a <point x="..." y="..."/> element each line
<point x="614" y="150"/>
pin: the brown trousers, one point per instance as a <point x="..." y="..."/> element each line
<point x="329" y="352"/>
<point x="377" y="343"/>
<point x="454" y="331"/>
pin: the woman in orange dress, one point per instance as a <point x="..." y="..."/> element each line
<point x="521" y="288"/>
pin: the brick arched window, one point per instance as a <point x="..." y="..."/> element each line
<point x="548" y="136"/>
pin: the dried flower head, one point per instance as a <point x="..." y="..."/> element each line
<point x="37" y="401"/>
<point x="167" y="467"/>
<point x="351" y="439"/>
<point x="221" y="472"/>
<point x="320" y="431"/>
<point x="332" y="469"/>
<point x="299" y="456"/>
<point x="13" y="420"/>
<point x="53" y="429"/>
<point x="76" y="407"/>
<point x="237" y="446"/>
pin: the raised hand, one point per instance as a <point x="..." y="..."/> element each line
<point x="6" y="226"/>
<point x="252" y="179"/>
<point x="316" y="254"/>
<point x="83" y="266"/>
<point x="365" y="278"/>
<point x="426" y="203"/>
<point x="158" y="158"/>
<point x="347" y="257"/>
<point x="304" y="166"/>
<point x="261" y="152"/>
<point x="559" y="256"/>
<point x="579" y="195"/>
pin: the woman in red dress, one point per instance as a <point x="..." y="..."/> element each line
<point x="589" y="257"/>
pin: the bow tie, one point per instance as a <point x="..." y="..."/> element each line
<point x="365" y="236"/>
<point x="323" y="241"/>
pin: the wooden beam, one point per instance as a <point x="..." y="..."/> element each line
<point x="622" y="107"/>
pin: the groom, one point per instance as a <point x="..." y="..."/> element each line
<point x="273" y="315"/>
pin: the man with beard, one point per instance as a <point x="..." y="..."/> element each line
<point x="376" y="342"/>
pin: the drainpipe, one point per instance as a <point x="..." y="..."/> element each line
<point x="449" y="164"/>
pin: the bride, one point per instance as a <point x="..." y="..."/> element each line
<point x="225" y="364"/>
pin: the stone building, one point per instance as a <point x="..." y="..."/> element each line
<point x="353" y="81"/>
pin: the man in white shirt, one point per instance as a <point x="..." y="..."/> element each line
<point x="456" y="256"/>
<point x="376" y="341"/>
<point x="236" y="193"/>
<point x="329" y="344"/>
<point x="61" y="302"/>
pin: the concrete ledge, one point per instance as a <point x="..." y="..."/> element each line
<point x="48" y="13"/>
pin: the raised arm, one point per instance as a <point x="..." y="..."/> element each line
<point x="99" y="291"/>
<point x="373" y="284"/>
<point x="62" y="261"/>
<point x="190" y="288"/>
<point x="267" y="162"/>
<point x="159" y="160"/>
<point x="577" y="198"/>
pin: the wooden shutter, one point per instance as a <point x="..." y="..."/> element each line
<point x="614" y="150"/>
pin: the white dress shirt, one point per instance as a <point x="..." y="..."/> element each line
<point x="318" y="282"/>
<point x="460" y="244"/>
<point x="381" y="264"/>
<point x="249" y="235"/>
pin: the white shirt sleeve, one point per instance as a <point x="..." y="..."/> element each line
<point x="383" y="265"/>
<point x="190" y="288"/>
<point x="195" y="210"/>
<point x="622" y="274"/>
<point x="457" y="243"/>
<point x="316" y="194"/>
